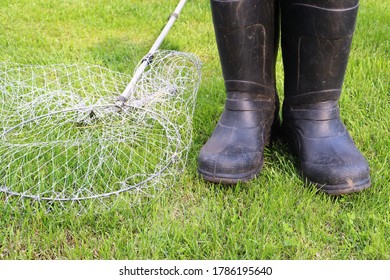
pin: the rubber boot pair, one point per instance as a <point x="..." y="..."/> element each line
<point x="316" y="37"/>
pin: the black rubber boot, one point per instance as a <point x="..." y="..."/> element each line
<point x="246" y="33"/>
<point x="316" y="40"/>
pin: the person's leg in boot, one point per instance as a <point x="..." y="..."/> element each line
<point x="247" y="39"/>
<point x="316" y="40"/>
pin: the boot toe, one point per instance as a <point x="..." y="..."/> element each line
<point x="229" y="166"/>
<point x="336" y="179"/>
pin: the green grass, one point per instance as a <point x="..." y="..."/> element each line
<point x="272" y="217"/>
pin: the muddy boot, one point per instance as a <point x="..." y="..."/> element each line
<point x="316" y="40"/>
<point x="246" y="33"/>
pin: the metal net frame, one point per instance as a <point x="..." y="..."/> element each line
<point x="64" y="139"/>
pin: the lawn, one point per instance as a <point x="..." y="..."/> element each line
<point x="274" y="216"/>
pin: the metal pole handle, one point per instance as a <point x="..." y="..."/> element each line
<point x="130" y="87"/>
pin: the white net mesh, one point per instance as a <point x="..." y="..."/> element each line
<point x="63" y="140"/>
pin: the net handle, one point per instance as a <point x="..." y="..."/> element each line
<point x="149" y="56"/>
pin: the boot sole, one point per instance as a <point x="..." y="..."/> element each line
<point x="343" y="189"/>
<point x="227" y="179"/>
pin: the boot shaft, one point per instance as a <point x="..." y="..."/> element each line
<point x="316" y="40"/>
<point x="246" y="33"/>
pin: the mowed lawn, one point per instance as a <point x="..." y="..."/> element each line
<point x="275" y="216"/>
